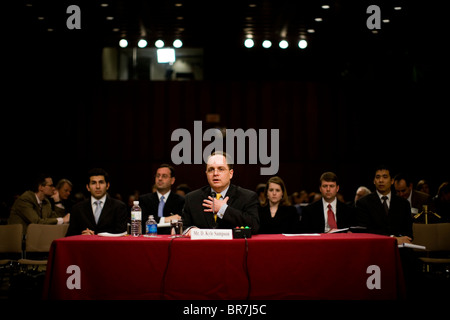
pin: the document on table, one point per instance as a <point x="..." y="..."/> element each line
<point x="107" y="234"/>
<point x="411" y="245"/>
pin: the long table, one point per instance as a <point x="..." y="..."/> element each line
<point x="264" y="267"/>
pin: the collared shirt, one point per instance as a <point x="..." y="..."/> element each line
<point x="325" y="212"/>
<point x="388" y="200"/>
<point x="224" y="207"/>
<point x="93" y="200"/>
<point x="41" y="203"/>
<point x="166" y="195"/>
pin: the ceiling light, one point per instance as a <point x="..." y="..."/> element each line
<point x="325" y="6"/>
<point x="267" y="44"/>
<point x="142" y="43"/>
<point x="397" y="8"/>
<point x="123" y="43"/>
<point x="159" y="43"/>
<point x="177" y="43"/>
<point x="302" y="44"/>
<point x="283" y="44"/>
<point x="249" y="43"/>
<point x="318" y="19"/>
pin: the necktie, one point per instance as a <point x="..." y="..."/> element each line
<point x="161" y="206"/>
<point x="331" y="220"/>
<point x="385" y="205"/>
<point x="218" y="196"/>
<point x="98" y="210"/>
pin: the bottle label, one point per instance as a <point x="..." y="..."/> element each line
<point x="151" y="228"/>
<point x="136" y="215"/>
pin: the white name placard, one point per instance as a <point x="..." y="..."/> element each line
<point x="213" y="234"/>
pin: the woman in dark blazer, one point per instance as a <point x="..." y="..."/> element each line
<point x="276" y="214"/>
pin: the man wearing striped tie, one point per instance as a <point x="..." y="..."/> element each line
<point x="99" y="213"/>
<point x="221" y="204"/>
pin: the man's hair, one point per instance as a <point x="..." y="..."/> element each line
<point x="222" y="153"/>
<point x="403" y="176"/>
<point x="172" y="169"/>
<point x="62" y="182"/>
<point x="39" y="180"/>
<point x="383" y="167"/>
<point x="328" y="177"/>
<point x="97" y="172"/>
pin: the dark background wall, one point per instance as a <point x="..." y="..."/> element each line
<point x="343" y="109"/>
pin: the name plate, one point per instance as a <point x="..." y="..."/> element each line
<point x="213" y="234"/>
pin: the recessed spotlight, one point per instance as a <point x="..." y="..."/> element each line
<point x="123" y="43"/>
<point x="159" y="43"/>
<point x="249" y="43"/>
<point x="283" y="44"/>
<point x="318" y="19"/>
<point x="325" y="6"/>
<point x="302" y="44"/>
<point x="142" y="43"/>
<point x="177" y="43"/>
<point x="267" y="44"/>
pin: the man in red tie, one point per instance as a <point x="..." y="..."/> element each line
<point x="328" y="213"/>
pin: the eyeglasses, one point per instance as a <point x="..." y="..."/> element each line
<point x="212" y="170"/>
<point x="164" y="176"/>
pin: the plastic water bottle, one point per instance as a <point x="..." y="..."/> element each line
<point x="151" y="227"/>
<point x="136" y="216"/>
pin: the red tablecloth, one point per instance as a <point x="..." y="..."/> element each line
<point x="329" y="266"/>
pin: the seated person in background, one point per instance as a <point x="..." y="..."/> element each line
<point x="231" y="206"/>
<point x="328" y="213"/>
<point x="163" y="204"/>
<point x="441" y="204"/>
<point x="276" y="214"/>
<point x="383" y="212"/>
<point x="34" y="206"/>
<point x="100" y="212"/>
<point x="61" y="196"/>
<point x="404" y="188"/>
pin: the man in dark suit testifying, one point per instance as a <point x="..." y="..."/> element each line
<point x="99" y="213"/>
<point x="231" y="206"/>
<point x="383" y="212"/>
<point x="163" y="204"/>
<point x="328" y="213"/>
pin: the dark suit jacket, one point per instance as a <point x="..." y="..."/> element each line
<point x="285" y="221"/>
<point x="113" y="218"/>
<point x="418" y="199"/>
<point x="313" y="220"/>
<point x="26" y="210"/>
<point x="242" y="209"/>
<point x="149" y="204"/>
<point x="370" y="214"/>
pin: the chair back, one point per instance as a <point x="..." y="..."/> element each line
<point x="39" y="237"/>
<point x="11" y="238"/>
<point x="435" y="236"/>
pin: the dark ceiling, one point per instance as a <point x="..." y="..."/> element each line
<point x="200" y="23"/>
<point x="410" y="36"/>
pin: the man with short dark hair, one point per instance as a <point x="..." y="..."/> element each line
<point x="34" y="206"/>
<point x="405" y="189"/>
<point x="163" y="204"/>
<point x="100" y="212"/>
<point x="329" y="213"/>
<point x="383" y="212"/>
